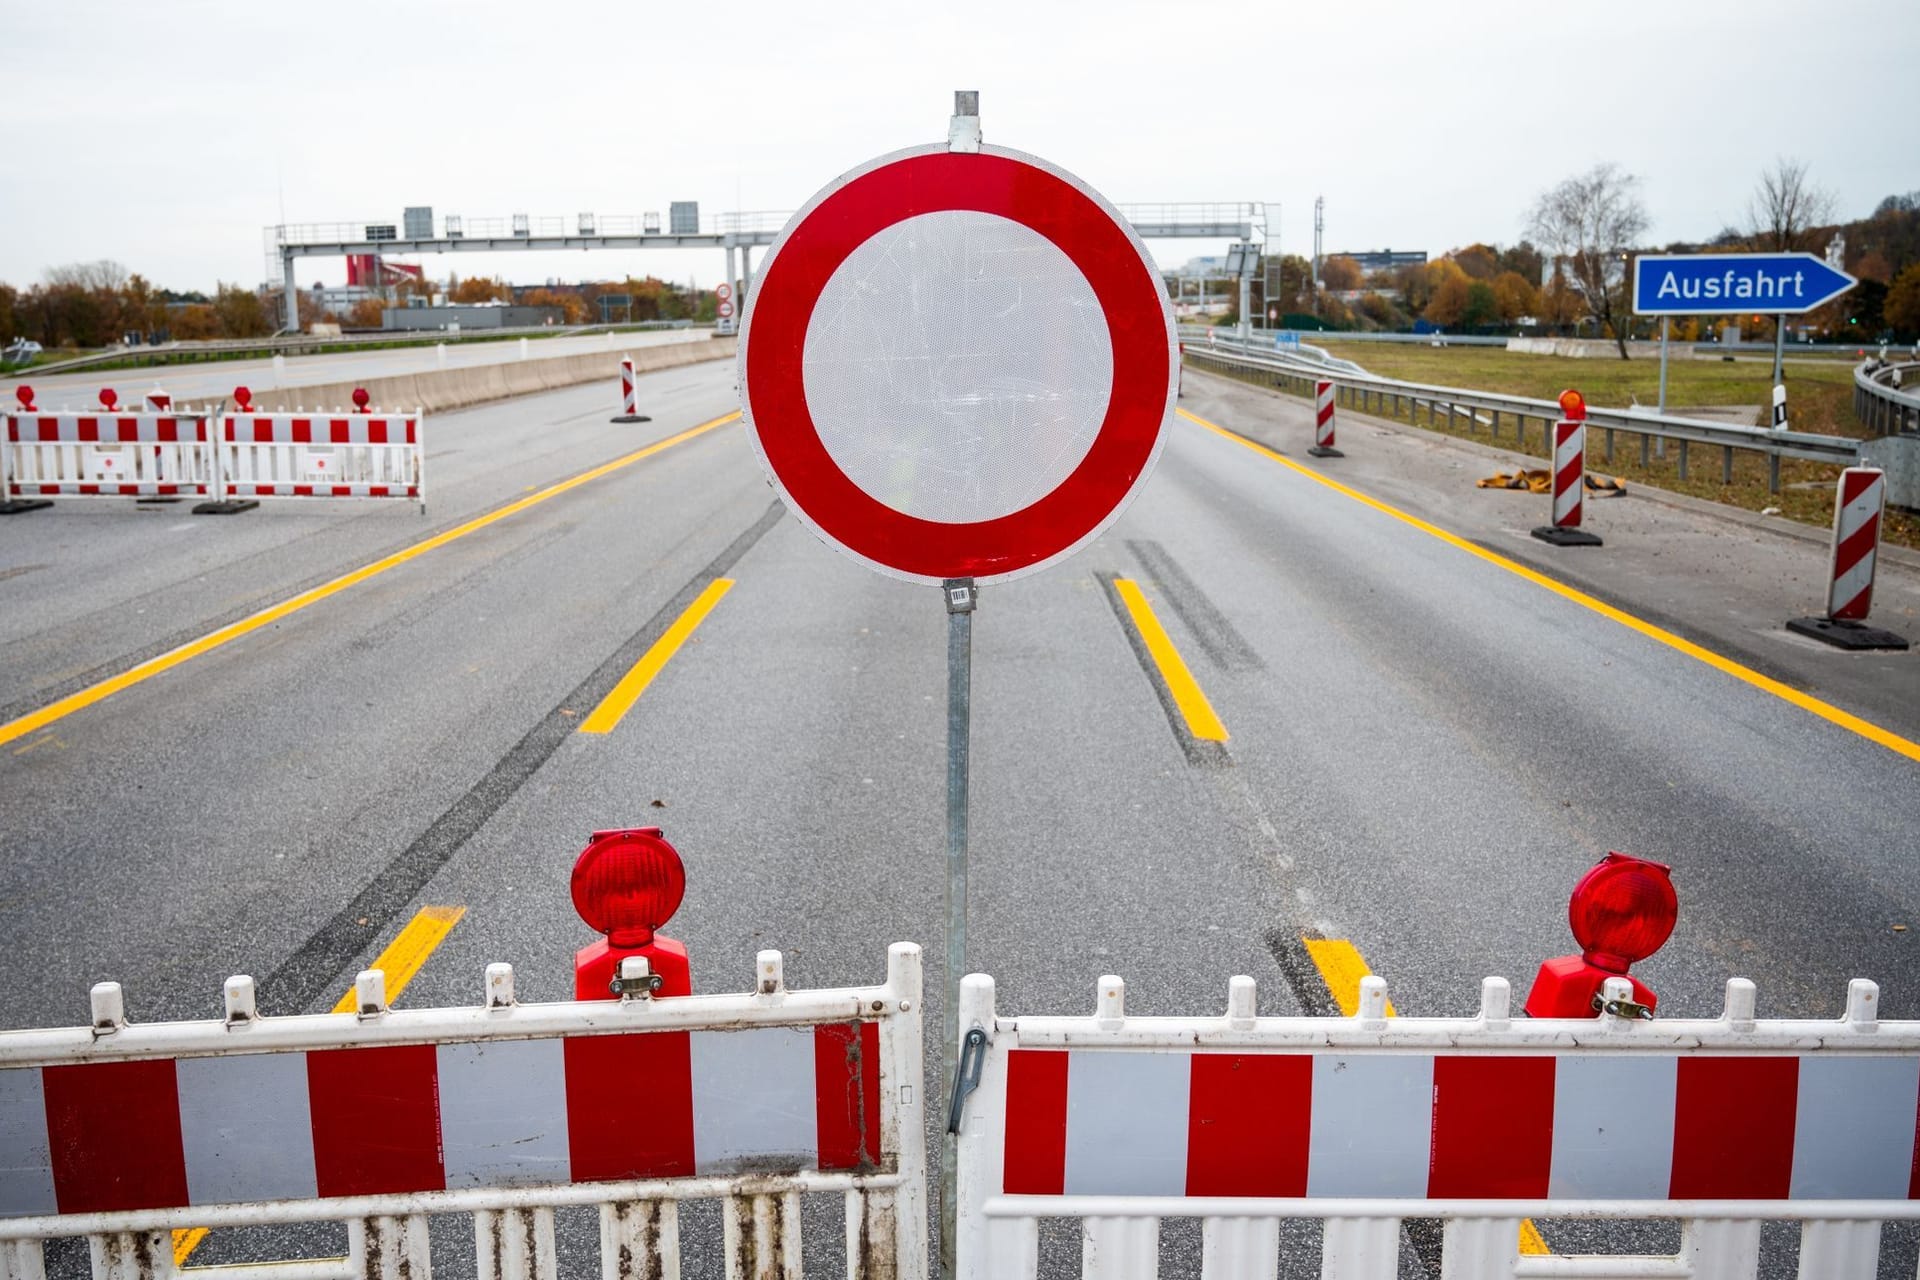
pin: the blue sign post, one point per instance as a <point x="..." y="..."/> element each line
<point x="1712" y="284"/>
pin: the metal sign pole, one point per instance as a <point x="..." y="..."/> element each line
<point x="961" y="597"/>
<point x="1665" y="323"/>
<point x="1779" y="346"/>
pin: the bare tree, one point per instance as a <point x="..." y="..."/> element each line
<point x="1785" y="208"/>
<point x="1591" y="223"/>
<point x="102" y="274"/>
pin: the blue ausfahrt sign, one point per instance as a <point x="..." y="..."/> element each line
<point x="1710" y="284"/>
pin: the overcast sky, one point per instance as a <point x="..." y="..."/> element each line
<point x="166" y="135"/>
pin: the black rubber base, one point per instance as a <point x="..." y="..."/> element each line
<point x="16" y="506"/>
<point x="1320" y="451"/>
<point x="231" y="507"/>
<point x="1567" y="537"/>
<point x="633" y="417"/>
<point x="1847" y="635"/>
<point x="155" y="500"/>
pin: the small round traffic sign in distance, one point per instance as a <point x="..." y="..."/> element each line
<point x="723" y="291"/>
<point x="723" y="308"/>
<point x="958" y="365"/>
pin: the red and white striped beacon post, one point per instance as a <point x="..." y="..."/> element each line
<point x="629" y="394"/>
<point x="1569" y="476"/>
<point x="1323" y="422"/>
<point x="1858" y="506"/>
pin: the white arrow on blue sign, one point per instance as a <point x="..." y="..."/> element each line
<point x="1711" y="284"/>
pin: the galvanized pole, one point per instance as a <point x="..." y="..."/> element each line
<point x="1665" y="323"/>
<point x="963" y="135"/>
<point x="1779" y="346"/>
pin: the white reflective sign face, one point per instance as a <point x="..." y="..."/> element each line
<point x="958" y="366"/>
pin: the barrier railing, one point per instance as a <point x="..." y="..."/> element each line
<point x="1365" y="393"/>
<point x="1243" y="1122"/>
<point x="1879" y="399"/>
<point x="104" y="453"/>
<point x="315" y="455"/>
<point x="380" y="1119"/>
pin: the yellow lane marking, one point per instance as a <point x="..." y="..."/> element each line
<point x="620" y="701"/>
<point x="185" y="1241"/>
<point x="1805" y="701"/>
<point x="1198" y="712"/>
<point x="408" y="951"/>
<point x="400" y="962"/>
<point x="246" y="626"/>
<point x="1341" y="967"/>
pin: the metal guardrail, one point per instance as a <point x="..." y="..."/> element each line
<point x="1365" y="393"/>
<point x="1879" y="400"/>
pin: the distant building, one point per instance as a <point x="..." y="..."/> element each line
<point x="341" y="299"/>
<point x="1372" y="260"/>
<point x="484" y="315"/>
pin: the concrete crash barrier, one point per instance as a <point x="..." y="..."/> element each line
<point x="444" y="389"/>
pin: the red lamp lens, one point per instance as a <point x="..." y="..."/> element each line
<point x="242" y="397"/>
<point x="1573" y="404"/>
<point x="109" y="397"/>
<point x="24" y="394"/>
<point x="628" y="883"/>
<point x="1623" y="910"/>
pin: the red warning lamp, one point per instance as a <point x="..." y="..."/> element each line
<point x="24" y="394"/>
<point x="360" y="398"/>
<point x="109" y="397"/>
<point x="243" y="397"/>
<point x="1573" y="405"/>
<point x="626" y="884"/>
<point x="1622" y="911"/>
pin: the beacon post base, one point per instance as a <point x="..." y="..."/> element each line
<point x="1842" y="634"/>
<point x="1560" y="537"/>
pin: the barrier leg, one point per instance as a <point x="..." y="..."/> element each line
<point x="515" y="1244"/>
<point x="1360" y="1249"/>
<point x="1120" y="1249"/>
<point x="10" y="478"/>
<point x="1240" y="1248"/>
<point x="1721" y="1250"/>
<point x="640" y="1240"/>
<point x="222" y="502"/>
<point x="1480" y="1248"/>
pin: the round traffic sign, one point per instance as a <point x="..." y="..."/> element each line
<point x="723" y="291"/>
<point x="958" y="365"/>
<point x="723" y="308"/>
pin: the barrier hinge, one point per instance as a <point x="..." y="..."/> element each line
<point x="966" y="1077"/>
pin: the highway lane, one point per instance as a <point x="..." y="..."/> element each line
<point x="1425" y="750"/>
<point x="197" y="383"/>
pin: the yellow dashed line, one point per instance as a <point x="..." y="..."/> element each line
<point x="1201" y="721"/>
<point x="620" y="701"/>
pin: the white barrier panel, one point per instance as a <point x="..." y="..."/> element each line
<point x="506" y="1111"/>
<point x="1483" y="1122"/>
<point x="106" y="454"/>
<point x="317" y="455"/>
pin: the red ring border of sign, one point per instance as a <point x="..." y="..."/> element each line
<point x="933" y="179"/>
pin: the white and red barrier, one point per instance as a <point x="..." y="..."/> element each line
<point x="1323" y="422"/>
<point x="1244" y="1121"/>
<point x="104" y="453"/>
<point x="1569" y="477"/>
<point x="1859" y="505"/>
<point x="310" y="455"/>
<point x="629" y="394"/>
<point x="504" y="1111"/>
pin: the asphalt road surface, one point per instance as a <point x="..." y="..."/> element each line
<point x="1425" y="749"/>
<point x="194" y="383"/>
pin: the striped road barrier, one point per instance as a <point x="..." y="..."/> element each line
<point x="1243" y="1122"/>
<point x="320" y="455"/>
<point x="105" y="454"/>
<point x="1323" y="422"/>
<point x="380" y="1118"/>
<point x="1859" y="504"/>
<point x="1569" y="477"/>
<point x="629" y="394"/>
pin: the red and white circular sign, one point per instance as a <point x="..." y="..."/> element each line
<point x="723" y="308"/>
<point x="958" y="365"/>
<point x="723" y="291"/>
